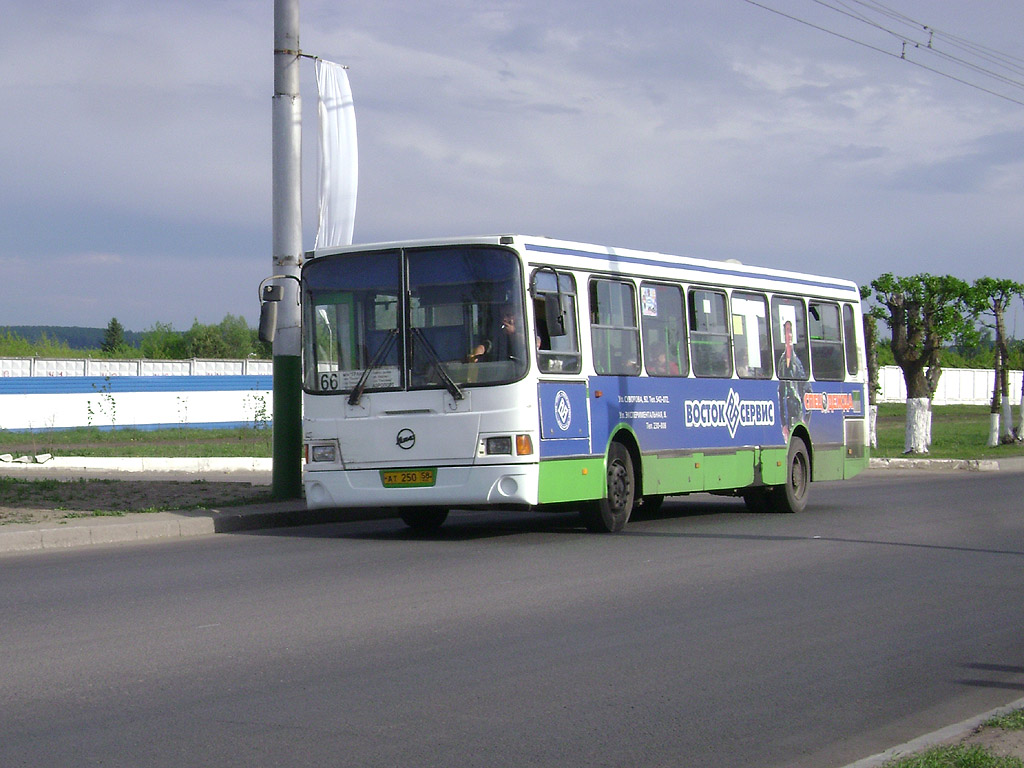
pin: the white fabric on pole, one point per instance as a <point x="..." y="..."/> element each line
<point x="339" y="162"/>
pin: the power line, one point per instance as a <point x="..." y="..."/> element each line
<point x="920" y="42"/>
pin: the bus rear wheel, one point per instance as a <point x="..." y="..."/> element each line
<point x="792" y="495"/>
<point x="609" y="515"/>
<point x="424" y="519"/>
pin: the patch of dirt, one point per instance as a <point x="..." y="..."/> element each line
<point x="41" y="501"/>
<point x="998" y="741"/>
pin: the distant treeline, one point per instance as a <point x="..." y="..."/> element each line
<point x="231" y="339"/>
<point x="73" y="336"/>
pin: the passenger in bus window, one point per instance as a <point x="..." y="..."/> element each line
<point x="792" y="376"/>
<point x="658" y="362"/>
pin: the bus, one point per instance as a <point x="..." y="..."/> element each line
<point x="515" y="372"/>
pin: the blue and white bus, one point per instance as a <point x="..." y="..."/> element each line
<point x="519" y="372"/>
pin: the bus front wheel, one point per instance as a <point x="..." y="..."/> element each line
<point x="424" y="519"/>
<point x="609" y="515"/>
<point x="792" y="495"/>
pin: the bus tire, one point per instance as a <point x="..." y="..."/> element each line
<point x="609" y="515"/>
<point x="791" y="496"/>
<point x="424" y="519"/>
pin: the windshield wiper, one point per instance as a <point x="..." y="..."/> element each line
<point x="382" y="351"/>
<point x="449" y="383"/>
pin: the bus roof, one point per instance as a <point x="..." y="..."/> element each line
<point x="544" y="250"/>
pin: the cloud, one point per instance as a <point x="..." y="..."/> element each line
<point x="142" y="132"/>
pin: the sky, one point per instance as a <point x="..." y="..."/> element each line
<point x="136" y="138"/>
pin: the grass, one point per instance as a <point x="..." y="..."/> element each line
<point x="958" y="432"/>
<point x="962" y="756"/>
<point x="1014" y="721"/>
<point x="171" y="442"/>
<point x="956" y="757"/>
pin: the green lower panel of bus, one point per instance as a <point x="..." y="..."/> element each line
<point x="571" y="480"/>
<point x="853" y="466"/>
<point x="564" y="480"/>
<point x="829" y="463"/>
<point x="667" y="475"/>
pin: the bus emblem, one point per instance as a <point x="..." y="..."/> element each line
<point x="563" y="410"/>
<point x="406" y="439"/>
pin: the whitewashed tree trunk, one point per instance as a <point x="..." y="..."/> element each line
<point x="1006" y="433"/>
<point x="993" y="430"/>
<point x="919" y="425"/>
<point x="873" y="425"/>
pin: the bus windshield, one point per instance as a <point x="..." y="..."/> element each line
<point x="442" y="317"/>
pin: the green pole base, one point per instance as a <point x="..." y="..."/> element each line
<point x="287" y="470"/>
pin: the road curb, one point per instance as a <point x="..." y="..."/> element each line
<point x="143" y="526"/>
<point x="970" y="465"/>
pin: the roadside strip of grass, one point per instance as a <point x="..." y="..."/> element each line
<point x="958" y="432"/>
<point x="967" y="755"/>
<point x="130" y="442"/>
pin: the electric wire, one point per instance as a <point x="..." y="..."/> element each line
<point x="920" y="41"/>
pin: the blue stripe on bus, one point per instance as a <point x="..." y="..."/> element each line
<point x="816" y="283"/>
<point x="67" y="385"/>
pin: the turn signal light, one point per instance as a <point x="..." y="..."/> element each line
<point x="524" y="445"/>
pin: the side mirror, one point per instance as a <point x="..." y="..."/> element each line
<point x="268" y="312"/>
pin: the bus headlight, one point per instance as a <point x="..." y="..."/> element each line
<point x="498" y="446"/>
<point x="505" y="445"/>
<point x="323" y="453"/>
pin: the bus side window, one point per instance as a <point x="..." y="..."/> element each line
<point x="752" y="343"/>
<point x="556" y="352"/>
<point x="614" y="330"/>
<point x="789" y="331"/>
<point x="663" y="320"/>
<point x="709" y="334"/>
<point x="850" y="339"/>
<point x="827" y="362"/>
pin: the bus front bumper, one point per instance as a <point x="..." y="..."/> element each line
<point x="470" y="486"/>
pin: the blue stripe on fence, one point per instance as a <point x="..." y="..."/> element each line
<point x="69" y="385"/>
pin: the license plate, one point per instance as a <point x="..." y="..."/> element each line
<point x="408" y="478"/>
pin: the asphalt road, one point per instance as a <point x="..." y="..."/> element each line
<point x="706" y="636"/>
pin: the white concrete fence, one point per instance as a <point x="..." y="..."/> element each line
<point x="957" y="386"/>
<point x="40" y="394"/>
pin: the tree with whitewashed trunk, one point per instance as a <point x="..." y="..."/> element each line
<point x="871" y="342"/>
<point x="923" y="312"/>
<point x="989" y="300"/>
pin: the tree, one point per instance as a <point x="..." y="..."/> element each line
<point x="922" y="312"/>
<point x="989" y="299"/>
<point x="205" y="341"/>
<point x="113" y="338"/>
<point x="871" y="342"/>
<point x="162" y="342"/>
<point x="237" y="336"/>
